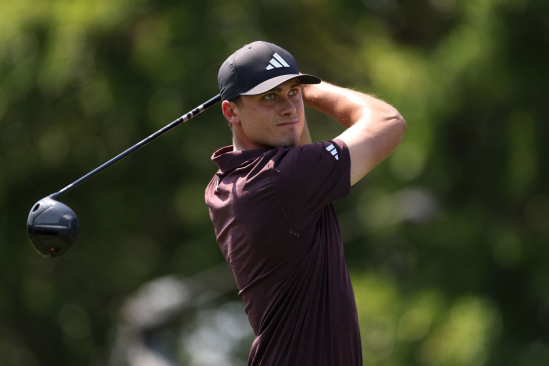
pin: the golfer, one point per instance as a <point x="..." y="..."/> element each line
<point x="271" y="203"/>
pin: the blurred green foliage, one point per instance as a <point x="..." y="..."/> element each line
<point x="445" y="240"/>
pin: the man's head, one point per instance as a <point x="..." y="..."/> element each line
<point x="260" y="86"/>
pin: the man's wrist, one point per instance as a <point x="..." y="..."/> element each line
<point x="316" y="95"/>
<point x="310" y="94"/>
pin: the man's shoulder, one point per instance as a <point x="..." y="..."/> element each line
<point x="306" y="155"/>
<point x="288" y="160"/>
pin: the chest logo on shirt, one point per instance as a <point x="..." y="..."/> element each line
<point x="333" y="151"/>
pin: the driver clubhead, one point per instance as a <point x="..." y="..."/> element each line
<point x="52" y="227"/>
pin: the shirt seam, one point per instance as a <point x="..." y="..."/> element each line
<point x="271" y="166"/>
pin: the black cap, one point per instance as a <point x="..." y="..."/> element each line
<point x="257" y="68"/>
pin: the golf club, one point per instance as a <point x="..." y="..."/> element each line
<point x="53" y="227"/>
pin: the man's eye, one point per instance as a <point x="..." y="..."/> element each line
<point x="269" y="97"/>
<point x="292" y="92"/>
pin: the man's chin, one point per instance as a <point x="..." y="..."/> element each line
<point x="286" y="142"/>
<point x="289" y="143"/>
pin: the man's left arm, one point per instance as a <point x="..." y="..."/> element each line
<point x="305" y="135"/>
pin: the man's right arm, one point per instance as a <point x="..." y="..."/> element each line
<point x="374" y="128"/>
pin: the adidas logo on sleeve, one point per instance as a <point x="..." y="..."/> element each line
<point x="333" y="151"/>
<point x="277" y="62"/>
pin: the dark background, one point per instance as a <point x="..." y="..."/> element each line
<point x="445" y="240"/>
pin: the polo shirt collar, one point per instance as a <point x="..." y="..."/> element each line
<point x="227" y="159"/>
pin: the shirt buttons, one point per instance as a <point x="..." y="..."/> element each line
<point x="294" y="233"/>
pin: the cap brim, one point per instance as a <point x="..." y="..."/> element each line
<point x="276" y="81"/>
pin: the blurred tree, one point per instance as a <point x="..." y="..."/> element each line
<point x="444" y="240"/>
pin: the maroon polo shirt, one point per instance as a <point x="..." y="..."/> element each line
<point x="277" y="228"/>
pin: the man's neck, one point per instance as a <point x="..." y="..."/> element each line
<point x="240" y="144"/>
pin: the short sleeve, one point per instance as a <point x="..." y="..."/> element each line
<point x="309" y="177"/>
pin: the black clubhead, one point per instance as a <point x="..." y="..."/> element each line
<point x="52" y="227"/>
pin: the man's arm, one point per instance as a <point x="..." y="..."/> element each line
<point x="374" y="128"/>
<point x="305" y="135"/>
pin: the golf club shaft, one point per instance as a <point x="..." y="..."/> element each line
<point x="158" y="133"/>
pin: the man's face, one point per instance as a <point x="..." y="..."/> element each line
<point x="275" y="118"/>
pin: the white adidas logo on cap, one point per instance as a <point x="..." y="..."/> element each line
<point x="277" y="62"/>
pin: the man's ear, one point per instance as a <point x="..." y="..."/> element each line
<point x="230" y="111"/>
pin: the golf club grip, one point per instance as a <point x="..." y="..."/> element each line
<point x="184" y="118"/>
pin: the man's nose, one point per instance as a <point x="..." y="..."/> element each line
<point x="288" y="109"/>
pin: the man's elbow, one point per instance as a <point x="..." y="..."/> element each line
<point x="402" y="125"/>
<point x="398" y="125"/>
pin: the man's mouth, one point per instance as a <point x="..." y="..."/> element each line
<point x="289" y="123"/>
